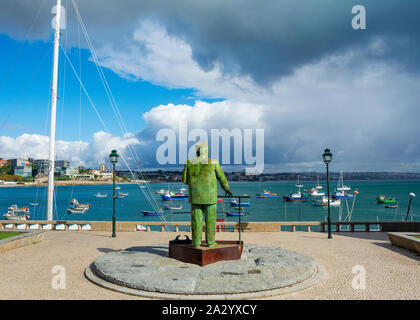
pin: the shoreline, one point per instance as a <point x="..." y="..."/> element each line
<point x="73" y="182"/>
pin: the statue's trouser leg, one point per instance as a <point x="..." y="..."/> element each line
<point x="196" y="224"/>
<point x="211" y="224"/>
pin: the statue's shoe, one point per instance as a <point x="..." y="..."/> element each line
<point x="213" y="244"/>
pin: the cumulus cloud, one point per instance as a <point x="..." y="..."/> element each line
<point x="79" y="153"/>
<point x="366" y="119"/>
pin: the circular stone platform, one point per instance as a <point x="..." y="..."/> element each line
<point x="262" y="271"/>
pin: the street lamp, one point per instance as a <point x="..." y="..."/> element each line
<point x="327" y="157"/>
<point x="412" y="195"/>
<point x="113" y="157"/>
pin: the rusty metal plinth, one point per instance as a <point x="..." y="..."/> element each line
<point x="226" y="250"/>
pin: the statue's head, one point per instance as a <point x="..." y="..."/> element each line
<point x="202" y="149"/>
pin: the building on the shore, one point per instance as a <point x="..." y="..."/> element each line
<point x="41" y="166"/>
<point x="65" y="171"/>
<point x="103" y="168"/>
<point x="21" y="167"/>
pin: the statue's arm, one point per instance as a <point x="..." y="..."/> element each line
<point x="222" y="178"/>
<point x="185" y="174"/>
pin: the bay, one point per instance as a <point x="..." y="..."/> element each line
<point x="366" y="207"/>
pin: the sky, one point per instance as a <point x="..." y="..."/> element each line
<point x="296" y="69"/>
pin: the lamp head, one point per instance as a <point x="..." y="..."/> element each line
<point x="327" y="156"/>
<point x="113" y="157"/>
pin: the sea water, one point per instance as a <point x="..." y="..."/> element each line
<point x="130" y="208"/>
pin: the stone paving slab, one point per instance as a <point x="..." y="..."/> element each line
<point x="148" y="269"/>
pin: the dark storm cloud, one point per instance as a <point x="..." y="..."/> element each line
<point x="264" y="39"/>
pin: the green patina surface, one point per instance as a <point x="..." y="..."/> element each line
<point x="201" y="175"/>
<point x="202" y="181"/>
<point x="4" y="235"/>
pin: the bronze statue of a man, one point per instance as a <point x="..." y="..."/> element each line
<point x="201" y="175"/>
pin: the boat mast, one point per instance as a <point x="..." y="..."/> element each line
<point x="51" y="167"/>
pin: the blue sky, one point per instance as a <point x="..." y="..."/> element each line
<point x="297" y="70"/>
<point x="25" y="93"/>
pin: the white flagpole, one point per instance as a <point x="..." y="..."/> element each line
<point x="53" y="115"/>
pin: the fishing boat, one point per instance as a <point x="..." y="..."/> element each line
<point x="383" y="199"/>
<point x="117" y="188"/>
<point x="342" y="195"/>
<point x="324" y="202"/>
<point x="391" y="207"/>
<point x="266" y="194"/>
<point x="13" y="216"/>
<point x="315" y="192"/>
<point x="235" y="214"/>
<point x="340" y="184"/>
<point x="77" y="208"/>
<point x="172" y="196"/>
<point x="152" y="213"/>
<point x="34" y="204"/>
<point x="99" y="195"/>
<point x="296" y="196"/>
<point x="15" y="209"/>
<point x="235" y="203"/>
<point x="161" y="191"/>
<point x="173" y="207"/>
<point x="15" y="213"/>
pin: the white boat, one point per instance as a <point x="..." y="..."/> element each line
<point x="77" y="210"/>
<point x="77" y="207"/>
<point x="173" y="207"/>
<point x="13" y="216"/>
<point x="16" y="213"/>
<point x="117" y="188"/>
<point x="315" y="192"/>
<point x="340" y="184"/>
<point x="14" y="209"/>
<point x="324" y="202"/>
<point x="267" y="194"/>
<point x="99" y="195"/>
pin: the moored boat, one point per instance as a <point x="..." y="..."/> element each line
<point x="324" y="202"/>
<point x="235" y="203"/>
<point x="99" y="195"/>
<point x="152" y="213"/>
<point x="234" y="214"/>
<point x="315" y="192"/>
<point x="266" y="194"/>
<point x="173" y="207"/>
<point x="77" y="208"/>
<point x="383" y="199"/>
<point x="342" y="195"/>
<point x="297" y="196"/>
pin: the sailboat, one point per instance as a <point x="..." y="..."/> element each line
<point x="296" y="196"/>
<point x="340" y="185"/>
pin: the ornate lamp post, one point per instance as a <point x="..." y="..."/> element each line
<point x="327" y="157"/>
<point x="113" y="157"/>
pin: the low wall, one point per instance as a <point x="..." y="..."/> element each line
<point x="269" y="226"/>
<point x="405" y="240"/>
<point x="24" y="239"/>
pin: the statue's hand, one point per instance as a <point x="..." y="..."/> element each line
<point x="228" y="193"/>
